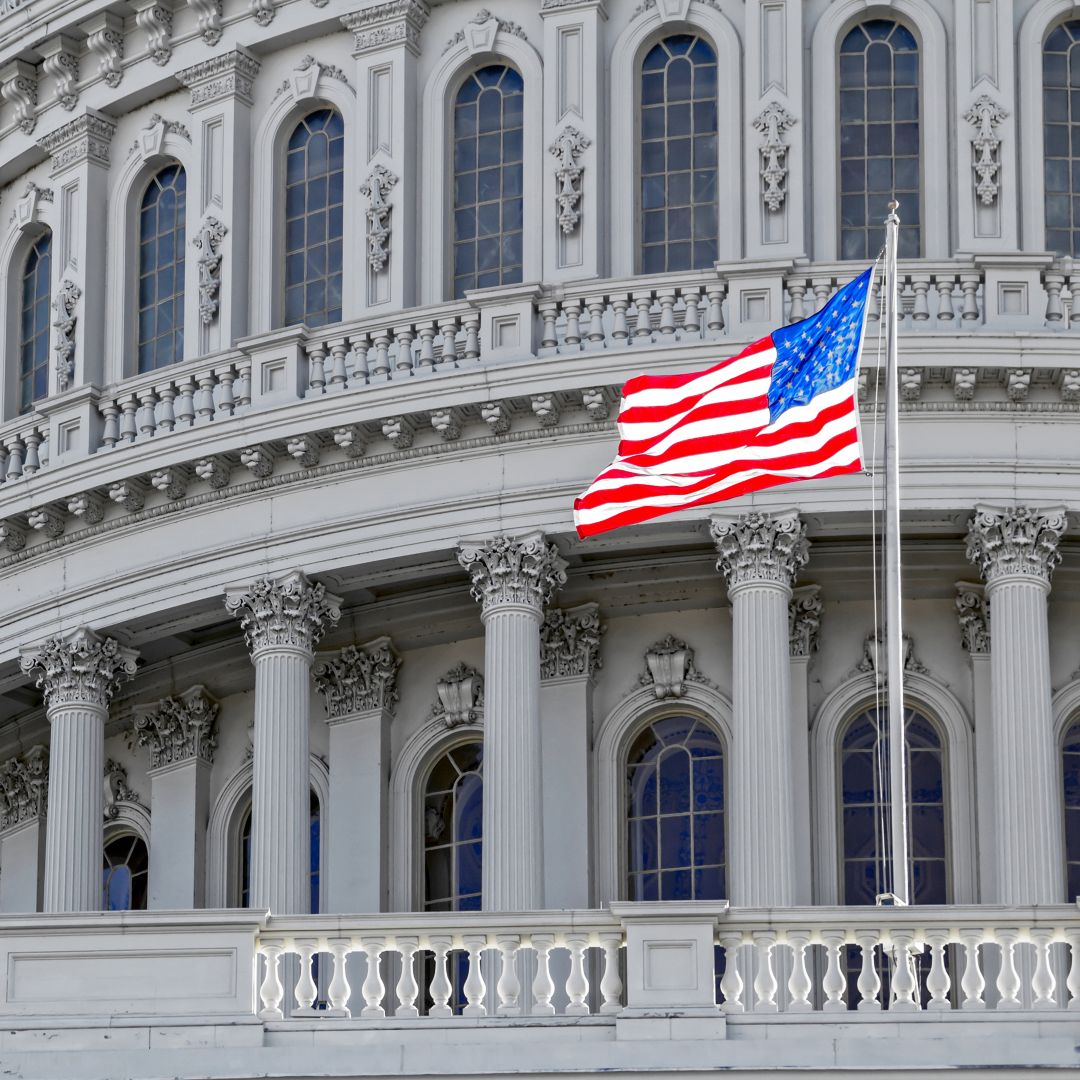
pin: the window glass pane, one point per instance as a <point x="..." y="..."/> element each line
<point x="162" y="221"/>
<point x="488" y="179"/>
<point x="678" y="133"/>
<point x="314" y="201"/>
<point x="1061" y="138"/>
<point x="879" y="136"/>
<point x="124" y="874"/>
<point x="453" y="830"/>
<point x="34" y="323"/>
<point x="1070" y="778"/>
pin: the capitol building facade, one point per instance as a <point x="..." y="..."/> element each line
<point x="326" y="747"/>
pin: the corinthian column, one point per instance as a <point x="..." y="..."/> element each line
<point x="79" y="673"/>
<point x="760" y="555"/>
<point x="283" y="620"/>
<point x="1016" y="551"/>
<point x="512" y="578"/>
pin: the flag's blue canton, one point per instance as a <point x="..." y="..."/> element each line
<point x="820" y="352"/>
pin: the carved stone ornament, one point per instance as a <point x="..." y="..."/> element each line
<point x="985" y="115"/>
<point x="156" y="22"/>
<point x="304" y="80"/>
<point x="460" y="696"/>
<point x="287" y="612"/>
<point x="179" y="729"/>
<point x="60" y="62"/>
<point x="230" y="75"/>
<point x="151" y="140"/>
<point x="1015" y="542"/>
<point x="568" y="146"/>
<point x="570" y="642"/>
<point x="209" y="18"/>
<point x="64" y="319"/>
<point x="479" y="32"/>
<point x="117" y="789"/>
<point x="24" y="788"/>
<point x="19" y="88"/>
<point x="759" y="548"/>
<point x="208" y="241"/>
<point x="523" y="570"/>
<point x="804" y="620"/>
<point x="389" y="23"/>
<point x="375" y="189"/>
<point x="105" y="41"/>
<point x="26" y="209"/>
<point x="973" y="613"/>
<point x="874" y="660"/>
<point x="359" y="678"/>
<point x="773" y="122"/>
<point x="78" y="667"/>
<point x="669" y="665"/>
<point x="670" y="10"/>
<point x="84" y="139"/>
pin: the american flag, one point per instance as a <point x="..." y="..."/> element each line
<point x="784" y="409"/>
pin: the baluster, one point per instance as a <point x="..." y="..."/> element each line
<point x="1043" y="983"/>
<point x="869" y="982"/>
<point x="643" y="323"/>
<point x="128" y="429"/>
<point x="3" y="462"/>
<point x="834" y="983"/>
<point x="360" y="345"/>
<point x="1054" y="283"/>
<point x="440" y="987"/>
<point x="146" y="416"/>
<point x="110" y="434"/>
<point x="610" y="982"/>
<point x="938" y="981"/>
<point x="427" y="347"/>
<point x="765" y="979"/>
<point x="799" y="985"/>
<point x="449" y="328"/>
<point x="508" y="988"/>
<point x="577" y="982"/>
<point x="305" y="990"/>
<point x="731" y="984"/>
<point x="903" y="293"/>
<point x="667" y="312"/>
<point x="1008" y="980"/>
<point x="373" y="988"/>
<point x="407" y="990"/>
<point x="920" y="312"/>
<point x="1074" y="311"/>
<point x="380" y="369"/>
<point x="822" y="288"/>
<point x="596" y="306"/>
<point x="339" y="375"/>
<point x="167" y="419"/>
<point x="945" y="285"/>
<point x="31" y="462"/>
<point x="316" y="356"/>
<point x="1072" y="982"/>
<point x="543" y="987"/>
<point x="549" y="313"/>
<point x="185" y="410"/>
<point x="716" y="295"/>
<point x="472" y="335"/>
<point x="16" y="449"/>
<point x="226" y="401"/>
<point x="204" y="400"/>
<point x="243" y="384"/>
<point x="972" y="981"/>
<point x="572" y="310"/>
<point x="339" y="989"/>
<point x="797" y="292"/>
<point x="475" y="987"/>
<point x="969" y="284"/>
<point x="271" y="991"/>
<point x="620" y="331"/>
<point x="692" y="316"/>
<point x="904" y="985"/>
<point x="404" y="363"/>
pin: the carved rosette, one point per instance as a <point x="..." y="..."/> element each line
<point x="289" y="612"/>
<point x="760" y="549"/>
<point x="669" y="665"/>
<point x="804" y="620"/>
<point x="523" y="570"/>
<point x="570" y="642"/>
<point x="359" y="678"/>
<point x="973" y="614"/>
<point x="24" y="788"/>
<point x="179" y="729"/>
<point x="1022" y="542"/>
<point x="79" y="667"/>
<point x="460" y="696"/>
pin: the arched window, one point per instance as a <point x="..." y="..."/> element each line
<point x="879" y="137"/>
<point x="1061" y="138"/>
<point x="314" y="200"/>
<point x="488" y="178"/>
<point x="34" y="323"/>
<point x="1070" y="778"/>
<point x="675" y="812"/>
<point x="678" y="155"/>
<point x="162" y="223"/>
<point x="453" y="823"/>
<point x="124" y="874"/>
<point x="244" y="837"/>
<point x="865" y="809"/>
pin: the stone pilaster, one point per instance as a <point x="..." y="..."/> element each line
<point x="79" y="672"/>
<point x="24" y="789"/>
<point x="283" y="619"/>
<point x="760" y="556"/>
<point x="359" y="686"/>
<point x="181" y="734"/>
<point x="804" y="622"/>
<point x="1016" y="551"/>
<point x="512" y="578"/>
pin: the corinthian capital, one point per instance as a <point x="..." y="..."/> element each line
<point x="804" y="620"/>
<point x="78" y="667"/>
<point x="759" y="548"/>
<point x="287" y="612"/>
<point x="513" y="570"/>
<point x="24" y="787"/>
<point x="973" y="613"/>
<point x="1015" y="543"/>
<point x="179" y="729"/>
<point x="570" y="641"/>
<point x="359" y="678"/>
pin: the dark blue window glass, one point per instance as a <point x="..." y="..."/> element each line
<point x="879" y="137"/>
<point x="245" y="857"/>
<point x="453" y="830"/>
<point x="314" y="207"/>
<point x="162" y="221"/>
<point x="124" y="874"/>
<point x="678" y="155"/>
<point x="488" y="162"/>
<point x="1070" y="777"/>
<point x="675" y="803"/>
<point x="34" y="323"/>
<point x="1061" y="138"/>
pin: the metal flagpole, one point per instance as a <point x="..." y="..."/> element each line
<point x="894" y="633"/>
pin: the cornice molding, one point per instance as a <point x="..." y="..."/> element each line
<point x="230" y="75"/>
